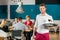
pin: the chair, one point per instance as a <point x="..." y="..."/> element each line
<point x="17" y="34"/>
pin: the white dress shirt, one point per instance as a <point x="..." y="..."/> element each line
<point x="40" y="20"/>
<point x="15" y="22"/>
<point x="19" y="26"/>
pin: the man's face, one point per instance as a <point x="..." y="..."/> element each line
<point x="16" y="19"/>
<point x="42" y="9"/>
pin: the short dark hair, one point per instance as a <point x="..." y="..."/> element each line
<point x="16" y="17"/>
<point x="20" y="18"/>
<point x="43" y="4"/>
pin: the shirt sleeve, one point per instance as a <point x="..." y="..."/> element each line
<point x="25" y="27"/>
<point x="51" y="19"/>
<point x="36" y="22"/>
<point x="14" y="26"/>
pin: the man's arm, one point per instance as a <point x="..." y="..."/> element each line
<point x="10" y="27"/>
<point x="50" y="19"/>
<point x="34" y="31"/>
<point x="35" y="27"/>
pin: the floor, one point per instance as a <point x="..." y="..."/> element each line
<point x="53" y="36"/>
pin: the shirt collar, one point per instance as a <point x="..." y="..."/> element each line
<point x="45" y="14"/>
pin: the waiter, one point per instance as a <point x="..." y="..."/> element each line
<point x="42" y="18"/>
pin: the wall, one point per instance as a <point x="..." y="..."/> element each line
<point x="30" y="8"/>
<point x="3" y="11"/>
<point x="33" y="10"/>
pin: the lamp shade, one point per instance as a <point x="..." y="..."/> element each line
<point x="20" y="9"/>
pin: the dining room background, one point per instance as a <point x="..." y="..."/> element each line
<point x="31" y="7"/>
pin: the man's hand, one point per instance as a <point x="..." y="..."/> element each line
<point x="34" y="30"/>
<point x="10" y="28"/>
<point x="34" y="36"/>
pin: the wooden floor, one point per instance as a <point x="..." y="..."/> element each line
<point x="53" y="36"/>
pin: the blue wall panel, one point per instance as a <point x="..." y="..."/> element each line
<point x="28" y="10"/>
<point x="33" y="10"/>
<point x="3" y="11"/>
<point x="54" y="10"/>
